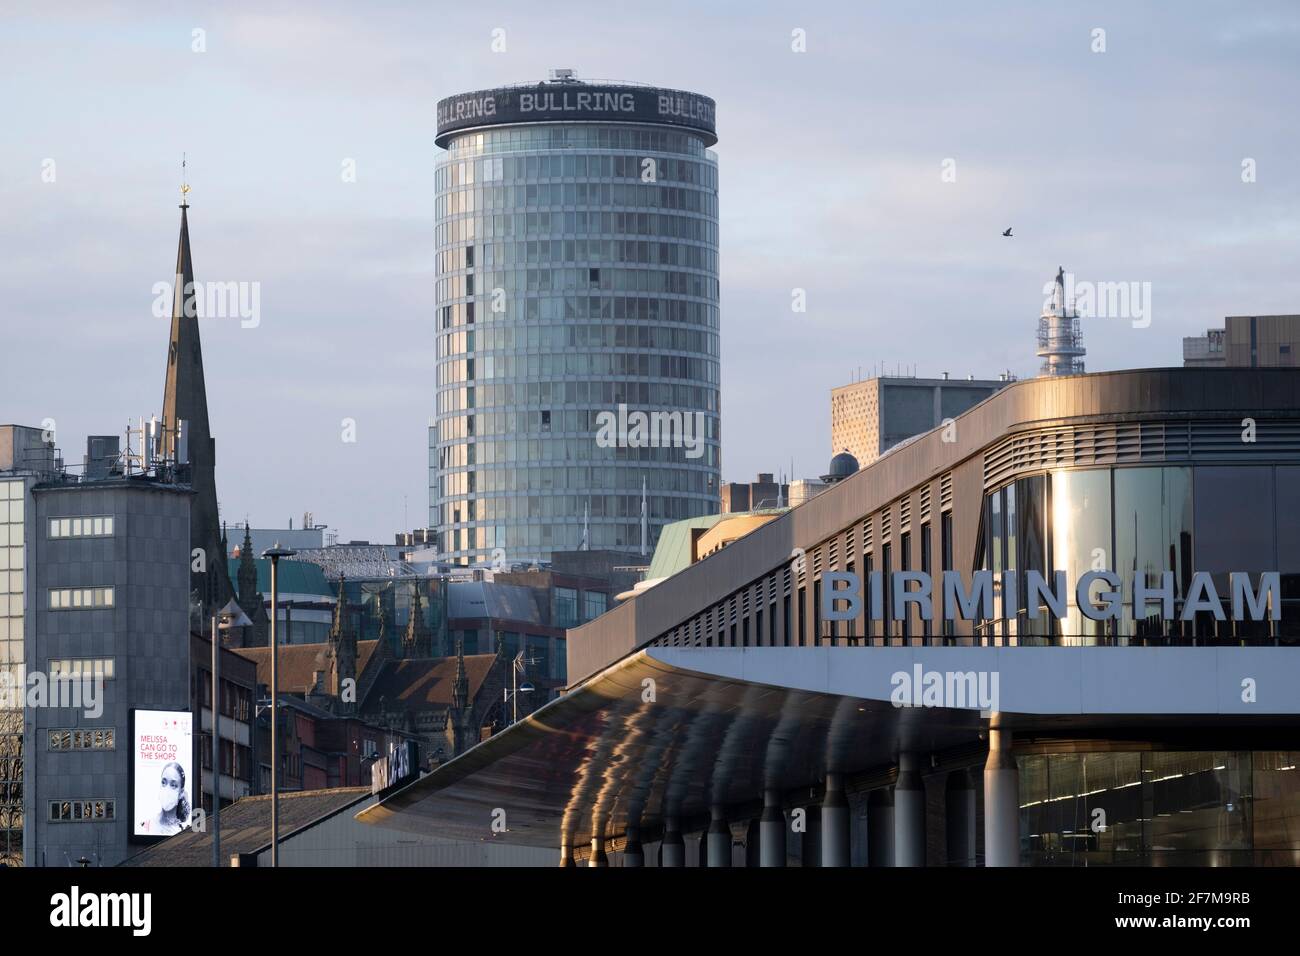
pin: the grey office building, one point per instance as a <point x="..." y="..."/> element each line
<point x="1246" y="341"/>
<point x="577" y="288"/>
<point x="871" y="416"/>
<point x="96" y="582"/>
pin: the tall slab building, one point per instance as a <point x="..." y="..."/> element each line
<point x="577" y="318"/>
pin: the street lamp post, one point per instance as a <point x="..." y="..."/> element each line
<point x="519" y="663"/>
<point x="275" y="554"/>
<point x="232" y="615"/>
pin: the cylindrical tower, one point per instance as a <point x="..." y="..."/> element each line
<point x="1060" y="344"/>
<point x="577" y="318"/>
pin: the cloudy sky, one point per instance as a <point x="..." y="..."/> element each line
<point x="1123" y="166"/>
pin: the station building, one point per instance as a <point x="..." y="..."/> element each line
<point x="719" y="718"/>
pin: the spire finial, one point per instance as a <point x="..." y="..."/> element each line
<point x="185" y="186"/>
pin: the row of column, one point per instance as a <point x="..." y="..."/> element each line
<point x="895" y="829"/>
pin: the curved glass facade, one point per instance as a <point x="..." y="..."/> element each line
<point x="577" y="285"/>
<point x="1142" y="523"/>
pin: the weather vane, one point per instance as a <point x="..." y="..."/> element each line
<point x="185" y="187"/>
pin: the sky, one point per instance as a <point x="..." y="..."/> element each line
<point x="875" y="169"/>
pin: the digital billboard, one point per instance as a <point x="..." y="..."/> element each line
<point x="582" y="102"/>
<point x="162" y="757"/>
<point x="399" y="765"/>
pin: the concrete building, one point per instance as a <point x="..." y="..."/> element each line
<point x="765" y="492"/>
<point x="805" y="489"/>
<point x="577" y="318"/>
<point x="871" y="416"/>
<point x="1170" y="716"/>
<point x="1246" y="341"/>
<point x="322" y="750"/>
<point x="96" y="590"/>
<point x="237" y="707"/>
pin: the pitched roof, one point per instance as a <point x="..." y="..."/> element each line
<point x="673" y="552"/>
<point x="246" y="827"/>
<point x="427" y="684"/>
<point x="298" y="663"/>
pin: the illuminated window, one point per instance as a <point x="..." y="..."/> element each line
<point x="98" y="526"/>
<point x="81" y="667"/>
<point x="78" y="599"/>
<point x="82" y="811"/>
<point x="83" y="739"/>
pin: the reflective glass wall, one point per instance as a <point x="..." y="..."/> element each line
<point x="577" y="285"/>
<point x="1158" y="808"/>
<point x="1143" y="523"/>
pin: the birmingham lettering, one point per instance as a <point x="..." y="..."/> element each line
<point x="842" y="596"/>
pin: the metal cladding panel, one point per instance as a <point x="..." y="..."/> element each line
<point x="1169" y="396"/>
<point x="576" y="102"/>
<point x="729" y="722"/>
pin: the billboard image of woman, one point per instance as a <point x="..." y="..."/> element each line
<point x="162" y="752"/>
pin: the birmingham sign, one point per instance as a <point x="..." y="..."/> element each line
<point x="842" y="597"/>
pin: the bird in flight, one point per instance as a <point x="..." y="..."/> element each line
<point x="1007" y="234"/>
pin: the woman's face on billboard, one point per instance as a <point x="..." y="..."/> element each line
<point x="170" y="792"/>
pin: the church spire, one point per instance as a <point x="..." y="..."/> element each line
<point x="185" y="400"/>
<point x="341" y="653"/>
<point x="418" y="641"/>
<point x="247" y="573"/>
<point x="460" y="686"/>
<point x="459" y="715"/>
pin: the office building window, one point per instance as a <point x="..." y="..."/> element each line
<point x="84" y="739"/>
<point x="594" y="604"/>
<point x="82" y="811"/>
<point x="99" y="526"/>
<point x="566" y="607"/>
<point x="81" y="667"/>
<point x="79" y="599"/>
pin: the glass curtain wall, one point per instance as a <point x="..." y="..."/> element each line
<point x="1143" y="524"/>
<point x="1160" y="808"/>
